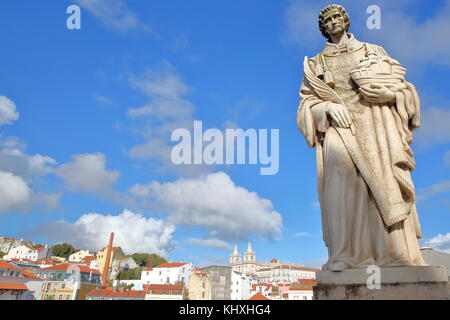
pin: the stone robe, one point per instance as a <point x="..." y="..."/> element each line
<point x="365" y="188"/>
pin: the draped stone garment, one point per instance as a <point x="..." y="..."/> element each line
<point x="365" y="188"/>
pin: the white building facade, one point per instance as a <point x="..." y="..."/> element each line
<point x="80" y="255"/>
<point x="28" y="253"/>
<point x="241" y="286"/>
<point x="285" y="274"/>
<point x="168" y="273"/>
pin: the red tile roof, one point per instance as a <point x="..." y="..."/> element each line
<point x="258" y="296"/>
<point x="123" y="258"/>
<point x="12" y="286"/>
<point x="167" y="288"/>
<point x="109" y="292"/>
<point x="307" y="282"/>
<point x="6" y="265"/>
<point x="27" y="274"/>
<point x="89" y="258"/>
<point x="300" y="288"/>
<point x="65" y="266"/>
<point x="171" y="265"/>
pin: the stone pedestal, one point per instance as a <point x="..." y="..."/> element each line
<point x="397" y="283"/>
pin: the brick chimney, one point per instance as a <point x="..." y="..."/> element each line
<point x="107" y="261"/>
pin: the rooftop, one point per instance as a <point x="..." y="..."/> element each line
<point x="65" y="266"/>
<point x="258" y="296"/>
<point x="167" y="288"/>
<point x="109" y="292"/>
<point x="12" y="286"/>
<point x="171" y="265"/>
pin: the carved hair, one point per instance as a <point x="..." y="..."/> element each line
<point x="328" y="8"/>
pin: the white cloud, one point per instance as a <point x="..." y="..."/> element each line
<point x="447" y="158"/>
<point x="114" y="14"/>
<point x="435" y="128"/>
<point x="414" y="42"/>
<point x="14" y="192"/>
<point x="101" y="99"/>
<point x="440" y="242"/>
<point x="433" y="191"/>
<point x="166" y="110"/>
<point x="88" y="173"/>
<point x="12" y="142"/>
<point x="24" y="165"/>
<point x="212" y="243"/>
<point x="302" y="234"/>
<point x="8" y="113"/>
<point x="213" y="201"/>
<point x="132" y="231"/>
<point x="16" y="195"/>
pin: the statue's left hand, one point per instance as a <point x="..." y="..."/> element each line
<point x="376" y="93"/>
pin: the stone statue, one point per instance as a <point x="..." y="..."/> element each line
<point x="358" y="111"/>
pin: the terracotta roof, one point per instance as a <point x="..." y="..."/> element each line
<point x="12" y="286"/>
<point x="6" y="265"/>
<point x="89" y="258"/>
<point x="159" y="288"/>
<point x="109" y="292"/>
<point x="123" y="258"/>
<point x="23" y="260"/>
<point x="300" y="288"/>
<point x="171" y="265"/>
<point x="274" y="260"/>
<point x="201" y="273"/>
<point x="258" y="296"/>
<point x="65" y="266"/>
<point x="27" y="274"/>
<point x="148" y="269"/>
<point x="307" y="282"/>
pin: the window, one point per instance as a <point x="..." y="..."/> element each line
<point x="203" y="285"/>
<point x="203" y="294"/>
<point x="164" y="292"/>
<point x="68" y="297"/>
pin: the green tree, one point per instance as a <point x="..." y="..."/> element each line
<point x="132" y="274"/>
<point x="38" y="246"/>
<point x="148" y="260"/>
<point x="2" y="254"/>
<point x="64" y="250"/>
<point x="154" y="260"/>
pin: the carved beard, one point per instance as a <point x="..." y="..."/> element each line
<point x="339" y="29"/>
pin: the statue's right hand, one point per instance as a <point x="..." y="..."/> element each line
<point x="339" y="114"/>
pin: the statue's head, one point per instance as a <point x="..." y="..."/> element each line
<point x="333" y="19"/>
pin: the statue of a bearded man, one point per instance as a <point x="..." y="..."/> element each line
<point x="358" y="111"/>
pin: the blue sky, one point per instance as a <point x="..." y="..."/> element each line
<point x="86" y="117"/>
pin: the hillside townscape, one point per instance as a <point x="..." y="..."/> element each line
<point x="30" y="271"/>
